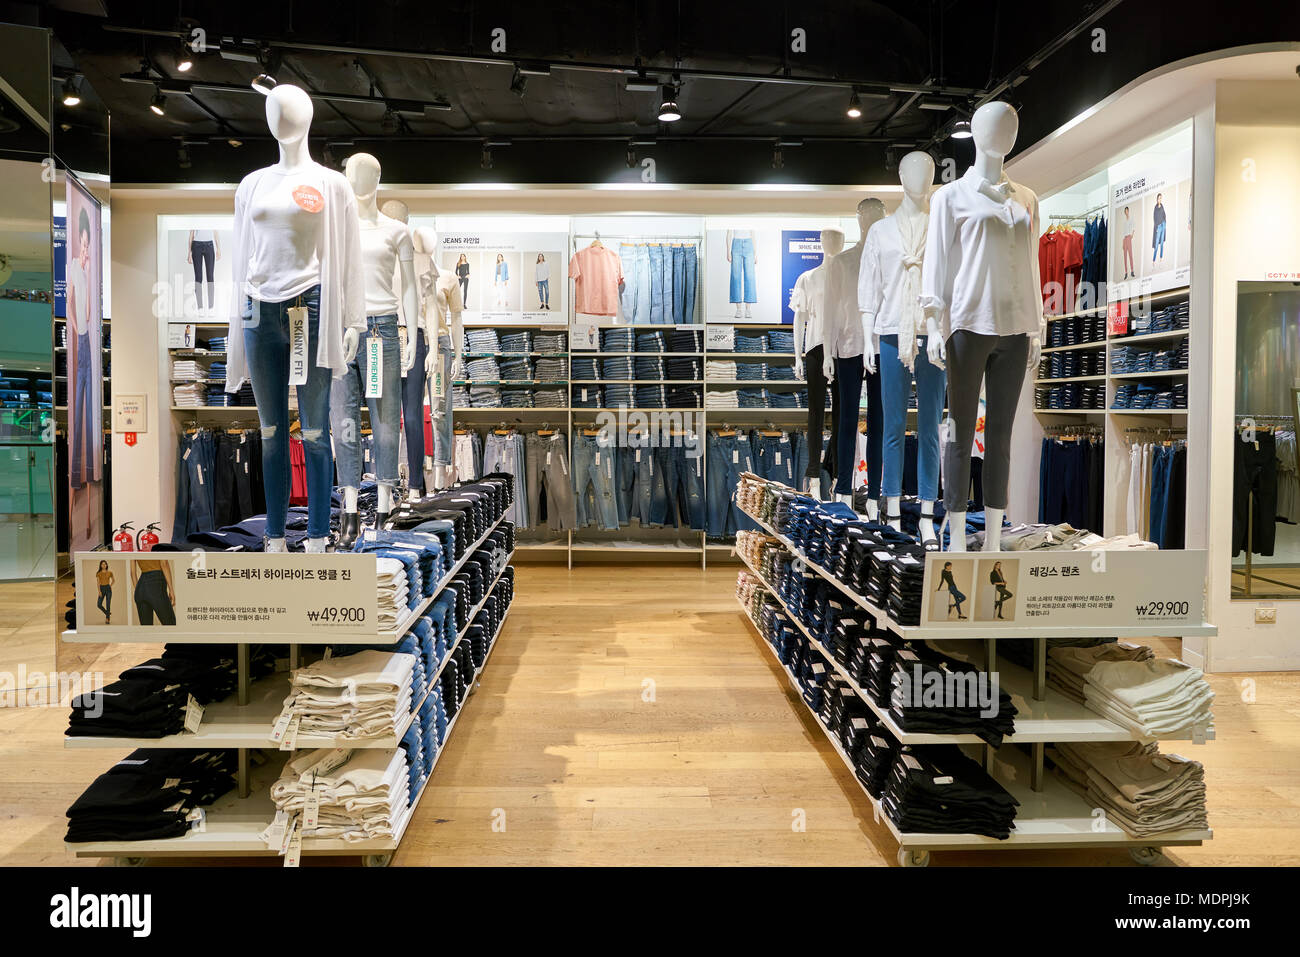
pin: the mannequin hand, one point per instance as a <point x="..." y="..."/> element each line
<point x="798" y="367"/>
<point x="408" y="357"/>
<point x="1035" y="351"/>
<point x="936" y="349"/>
<point x="351" y="339"/>
<point x="828" y="368"/>
<point x="869" y="363"/>
<point x="428" y="363"/>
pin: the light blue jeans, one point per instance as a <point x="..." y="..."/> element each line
<point x="385" y="411"/>
<point x="629" y="255"/>
<point x="744" y="286"/>
<point x="895" y="392"/>
<point x="440" y="409"/>
<point x="660" y="297"/>
<point x="593" y="466"/>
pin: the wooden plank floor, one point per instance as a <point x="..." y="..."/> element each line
<point x="629" y="716"/>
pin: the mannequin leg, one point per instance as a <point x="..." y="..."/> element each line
<point x="956" y="522"/>
<point x="993" y="529"/>
<point x="931" y="383"/>
<point x="875" y="431"/>
<point x="276" y="546"/>
<point x="266" y="343"/>
<point x="848" y="386"/>
<point x="893" y="512"/>
<point x="386" y="412"/>
<point x="442" y="476"/>
<point x="385" y="506"/>
<point x="816" y="417"/>
<point x="894" y="391"/>
<point x="314" y="414"/>
<point x="413" y="417"/>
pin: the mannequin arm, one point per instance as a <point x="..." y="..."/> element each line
<point x="828" y="364"/>
<point x="870" y="355"/>
<point x="351" y="339"/>
<point x="800" y="321"/>
<point x="411" y="310"/>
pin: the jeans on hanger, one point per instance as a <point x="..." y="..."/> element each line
<point x="266" y="343"/>
<point x="729" y="456"/>
<point x="195" y="502"/>
<point x="660" y="297"/>
<point x="385" y="411"/>
<point x="593" y="466"/>
<point x="413" y="414"/>
<point x="690" y="278"/>
<point x="679" y="283"/>
<point x="547" y="465"/>
<point x="683" y="476"/>
<point x="744" y="286"/>
<point x="505" y="453"/>
<point x="1160" y="469"/>
<point x="632" y="281"/>
<point x="776" y="460"/>
<point x="896" y="392"/>
<point x="650" y="504"/>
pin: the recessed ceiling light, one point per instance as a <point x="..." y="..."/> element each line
<point x="159" y="103"/>
<point x="855" y="107"/>
<point x="264" y="83"/>
<point x="184" y="58"/>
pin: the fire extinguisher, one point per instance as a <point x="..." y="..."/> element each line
<point x="147" y="538"/>
<point x="124" y="541"/>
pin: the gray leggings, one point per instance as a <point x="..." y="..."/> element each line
<point x="998" y="362"/>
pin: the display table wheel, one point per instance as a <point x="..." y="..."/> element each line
<point x="910" y="858"/>
<point x="377" y="860"/>
<point x="1146" y="856"/>
<point x="128" y="861"/>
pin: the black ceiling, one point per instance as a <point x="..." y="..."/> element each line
<point x="575" y="124"/>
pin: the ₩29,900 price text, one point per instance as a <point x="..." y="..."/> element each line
<point x="1162" y="609"/>
<point x="333" y="615"/>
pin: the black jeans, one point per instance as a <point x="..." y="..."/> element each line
<point x="1254" y="467"/>
<point x="105" y="600"/>
<point x="204" y="257"/>
<point x="812" y="364"/>
<point x="151" y="599"/>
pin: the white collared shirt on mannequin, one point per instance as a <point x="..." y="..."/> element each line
<point x="808" y="299"/>
<point x="882" y="289"/>
<point x="981" y="258"/>
<point x="841" y="323"/>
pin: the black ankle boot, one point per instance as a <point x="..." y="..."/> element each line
<point x="349" y="527"/>
<point x="381" y="520"/>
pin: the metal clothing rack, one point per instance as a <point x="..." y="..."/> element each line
<point x="1070" y="217"/>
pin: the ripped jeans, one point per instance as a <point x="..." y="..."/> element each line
<point x="266" y="343"/>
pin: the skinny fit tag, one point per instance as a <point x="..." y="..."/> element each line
<point x="298" y="345"/>
<point x="374" y="365"/>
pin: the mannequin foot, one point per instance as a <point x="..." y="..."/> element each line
<point x="926" y="527"/>
<point x="316" y="546"/>
<point x="815" y="488"/>
<point x="955" y="522"/>
<point x="381" y="519"/>
<point x="349" y="528"/>
<point x="993" y="529"/>
<point x="893" y="512"/>
<point x="873" y="510"/>
<point x="275" y="546"/>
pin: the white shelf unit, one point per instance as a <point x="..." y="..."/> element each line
<point x="1050" y="813"/>
<point x="234" y="823"/>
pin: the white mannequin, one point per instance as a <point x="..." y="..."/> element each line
<point x="398" y="210"/>
<point x="916" y="175"/>
<point x="426" y="243"/>
<point x="288" y="116"/>
<point x="832" y="241"/>
<point x="870" y="212"/>
<point x="993" y="128"/>
<point x="362" y="171"/>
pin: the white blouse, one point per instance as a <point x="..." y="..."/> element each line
<point x="981" y="258"/>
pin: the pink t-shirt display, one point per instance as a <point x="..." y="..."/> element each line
<point x="597" y="272"/>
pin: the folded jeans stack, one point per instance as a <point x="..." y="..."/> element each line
<point x="1068" y="666"/>
<point x="936" y="789"/>
<point x="353" y="698"/>
<point x="1157" y="697"/>
<point x="1143" y="791"/>
<point x="361" y="798"/>
<point x="394" y="590"/>
<point x="482" y="340"/>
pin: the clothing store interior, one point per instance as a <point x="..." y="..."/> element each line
<point x="871" y="405"/>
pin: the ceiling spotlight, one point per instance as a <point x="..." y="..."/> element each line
<point x="183" y="157"/>
<point x="184" y="58"/>
<point x="71" y="91"/>
<point x="486" y="159"/>
<point x="855" y="106"/>
<point x="640" y="83"/>
<point x="961" y="130"/>
<point x="631" y="158"/>
<point x="778" y="158"/>
<point x="518" y="83"/>
<point x="234" y="142"/>
<point x="669" y="112"/>
<point x="389" y="124"/>
<point x="159" y="102"/>
<point x="264" y="83"/>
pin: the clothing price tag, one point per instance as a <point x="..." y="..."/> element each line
<point x="584" y="399"/>
<point x="374" y="367"/>
<point x="171" y="783"/>
<point x="735" y="456"/>
<point x="186" y="456"/>
<point x="548" y="458"/>
<point x="293" y="854"/>
<point x="286" y="832"/>
<point x="193" y="715"/>
<point x="281" y="726"/>
<point x="311" y="810"/>
<point x="638" y="455"/>
<point x="1199" y="734"/>
<point x="943" y="779"/>
<point x="298" y="345"/>
<point x="199" y="470"/>
<point x="597" y="459"/>
<point x="330" y="763"/>
<point x="439" y="381"/>
<point x="274" y="833"/>
<point x="198" y="819"/>
<point x="291" y="735"/>
<point x="778" y="458"/>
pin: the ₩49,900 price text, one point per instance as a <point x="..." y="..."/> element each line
<point x="333" y="615"/>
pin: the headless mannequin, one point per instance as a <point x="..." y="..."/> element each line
<point x="810" y="333"/>
<point x="441" y="306"/>
<point x="870" y="212"/>
<point x="993" y="128"/>
<point x="916" y="174"/>
<point x="362" y="171"/>
<point x="288" y="116"/>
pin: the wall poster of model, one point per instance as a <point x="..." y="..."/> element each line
<point x="1151" y="228"/>
<point x="84" y="298"/>
<point x="196" y="285"/>
<point x="507" y="277"/>
<point x="744" y="274"/>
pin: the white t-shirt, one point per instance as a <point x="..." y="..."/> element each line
<point x="981" y="258"/>
<point x="384" y="243"/>
<point x="203" y="235"/>
<point x="79" y="285"/>
<point x="808" y="298"/>
<point x="543" y="271"/>
<point x="285" y="211"/>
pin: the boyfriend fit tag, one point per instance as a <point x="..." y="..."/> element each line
<point x="374" y="364"/>
<point x="297" y="345"/>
